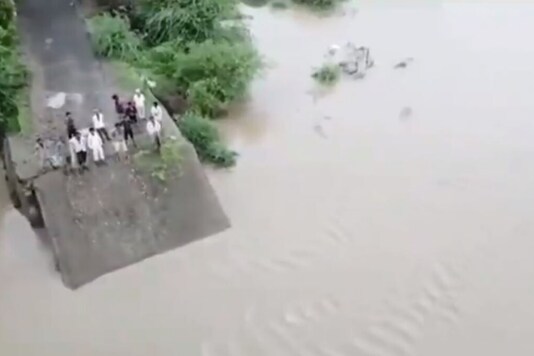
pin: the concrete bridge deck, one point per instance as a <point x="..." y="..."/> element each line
<point x="111" y="216"/>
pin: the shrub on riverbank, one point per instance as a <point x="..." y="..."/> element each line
<point x="203" y="134"/>
<point x="13" y="76"/>
<point x="211" y="73"/>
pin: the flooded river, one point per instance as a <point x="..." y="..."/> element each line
<point x="387" y="217"/>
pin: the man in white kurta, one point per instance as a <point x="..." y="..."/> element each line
<point x="95" y="144"/>
<point x="153" y="128"/>
<point x="157" y="112"/>
<point x="139" y="101"/>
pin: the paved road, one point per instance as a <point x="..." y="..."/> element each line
<point x="110" y="217"/>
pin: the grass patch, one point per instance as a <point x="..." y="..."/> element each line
<point x="327" y="74"/>
<point x="203" y="134"/>
<point x="164" y="165"/>
<point x="25" y="117"/>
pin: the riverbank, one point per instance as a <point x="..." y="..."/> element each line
<point x="387" y="236"/>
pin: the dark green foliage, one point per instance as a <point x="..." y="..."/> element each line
<point x="202" y="133"/>
<point x="318" y="4"/>
<point x="212" y="73"/>
<point x="13" y="76"/>
<point x="112" y="38"/>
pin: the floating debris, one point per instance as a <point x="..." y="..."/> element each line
<point x="352" y="60"/>
<point x="404" y="63"/>
<point x="405" y="113"/>
<point x="320" y="130"/>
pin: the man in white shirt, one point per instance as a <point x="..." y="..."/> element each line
<point x="94" y="142"/>
<point x="156" y="112"/>
<point x="79" y="148"/>
<point x="99" y="125"/>
<point x="153" y="128"/>
<point x="139" y="101"/>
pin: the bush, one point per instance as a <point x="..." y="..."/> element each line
<point x="212" y="73"/>
<point x="203" y="135"/>
<point x="327" y="74"/>
<point x="318" y="4"/>
<point x="112" y="37"/>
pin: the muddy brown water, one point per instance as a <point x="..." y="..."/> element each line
<point x="360" y="227"/>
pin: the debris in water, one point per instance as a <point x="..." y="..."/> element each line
<point x="319" y="130"/>
<point x="404" y="63"/>
<point x="405" y="113"/>
<point x="351" y="59"/>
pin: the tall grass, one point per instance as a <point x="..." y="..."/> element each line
<point x="111" y="37"/>
<point x="192" y="20"/>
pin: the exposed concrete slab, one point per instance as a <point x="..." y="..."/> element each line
<point x="111" y="216"/>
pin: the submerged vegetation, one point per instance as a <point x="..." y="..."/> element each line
<point x="327" y="74"/>
<point x="199" y="48"/>
<point x="318" y="4"/>
<point x="13" y="75"/>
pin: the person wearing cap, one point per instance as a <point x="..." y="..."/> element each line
<point x="99" y="125"/>
<point x="139" y="101"/>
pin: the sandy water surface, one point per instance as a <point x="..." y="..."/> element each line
<point x="389" y="216"/>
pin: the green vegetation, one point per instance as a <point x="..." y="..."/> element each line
<point x="280" y="4"/>
<point x="323" y="5"/>
<point x="327" y="74"/>
<point x="197" y="48"/>
<point x="13" y="75"/>
<point x="164" y="165"/>
<point x="203" y="134"/>
<point x="112" y="38"/>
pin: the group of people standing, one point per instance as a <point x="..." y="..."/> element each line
<point x="130" y="114"/>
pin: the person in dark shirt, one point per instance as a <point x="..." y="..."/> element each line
<point x="127" y="130"/>
<point x="71" y="127"/>
<point x="131" y="112"/>
<point x="119" y="107"/>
